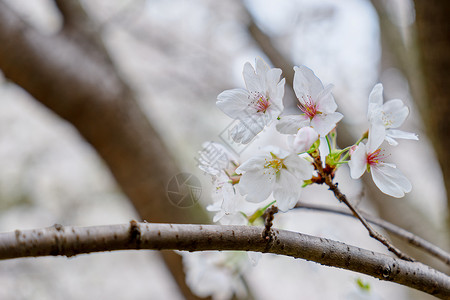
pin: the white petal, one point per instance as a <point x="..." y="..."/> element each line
<point x="390" y="180"/>
<point x="390" y="140"/>
<point x="324" y="149"/>
<point x="233" y="102"/>
<point x="255" y="83"/>
<point x="252" y="164"/>
<point x="277" y="95"/>
<point x="277" y="151"/>
<point x="323" y="123"/>
<point x="287" y="191"/>
<point x="241" y="133"/>
<point x="325" y="101"/>
<point x="298" y="166"/>
<point x="257" y="185"/>
<point x="395" y="113"/>
<point x="272" y="77"/>
<point x="399" y="134"/>
<point x="377" y="133"/>
<point x="358" y="161"/>
<point x="261" y="67"/>
<point x="291" y="124"/>
<point x="303" y="140"/>
<point x="376" y="95"/>
<point x="306" y="83"/>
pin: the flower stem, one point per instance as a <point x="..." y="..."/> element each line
<point x="342" y="198"/>
<point x="362" y="138"/>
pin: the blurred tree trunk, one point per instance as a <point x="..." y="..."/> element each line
<point x="72" y="74"/>
<point x="433" y="35"/>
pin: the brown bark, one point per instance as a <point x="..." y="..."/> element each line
<point x="69" y="241"/>
<point x="433" y="35"/>
<point x="72" y="74"/>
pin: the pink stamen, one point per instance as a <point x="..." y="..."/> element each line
<point x="308" y="107"/>
<point x="260" y="103"/>
<point x="375" y="157"/>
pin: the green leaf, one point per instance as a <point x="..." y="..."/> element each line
<point x="363" y="286"/>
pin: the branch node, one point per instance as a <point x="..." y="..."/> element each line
<point x="135" y="233"/>
<point x="267" y="234"/>
<point x="58" y="227"/>
<point x="386" y="272"/>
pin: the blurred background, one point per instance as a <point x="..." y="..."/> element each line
<point x="102" y="102"/>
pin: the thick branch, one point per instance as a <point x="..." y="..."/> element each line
<point x="69" y="241"/>
<point x="391" y="228"/>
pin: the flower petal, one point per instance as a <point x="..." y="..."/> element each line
<point x="241" y="133"/>
<point x="399" y="134"/>
<point x="358" y="161"/>
<point x="376" y="95"/>
<point x="298" y="166"/>
<point x="252" y="164"/>
<point x="324" y="123"/>
<point x="394" y="113"/>
<point x="377" y="133"/>
<point x="306" y="83"/>
<point x="390" y="180"/>
<point x="257" y="185"/>
<point x="255" y="83"/>
<point x="277" y="95"/>
<point x="233" y="102"/>
<point x="287" y="191"/>
<point x="291" y="124"/>
<point x="303" y="140"/>
<point x="325" y="101"/>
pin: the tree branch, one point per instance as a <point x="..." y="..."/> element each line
<point x="342" y="198"/>
<point x="70" y="241"/>
<point x="391" y="228"/>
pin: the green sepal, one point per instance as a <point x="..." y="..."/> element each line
<point x="251" y="219"/>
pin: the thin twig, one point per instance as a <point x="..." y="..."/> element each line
<point x="342" y="198"/>
<point x="394" y="229"/>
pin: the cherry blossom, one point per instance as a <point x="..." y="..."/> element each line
<point x="216" y="274"/>
<point x="276" y="171"/>
<point x="316" y="103"/>
<point x="303" y="140"/>
<point x="370" y="157"/>
<point x="391" y="115"/>
<point x="256" y="106"/>
<point x="217" y="161"/>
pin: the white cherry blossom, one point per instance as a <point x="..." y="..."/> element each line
<point x="391" y="115"/>
<point x="216" y="274"/>
<point x="276" y="171"/>
<point x="303" y="140"/>
<point x="317" y="105"/>
<point x="256" y="106"/>
<point x="217" y="161"/>
<point x="370" y="157"/>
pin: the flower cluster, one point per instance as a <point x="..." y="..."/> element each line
<point x="244" y="190"/>
<point x="282" y="173"/>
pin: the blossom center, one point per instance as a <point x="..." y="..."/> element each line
<point x="276" y="164"/>
<point x="308" y="107"/>
<point x="260" y="102"/>
<point x="387" y="118"/>
<point x="375" y="157"/>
